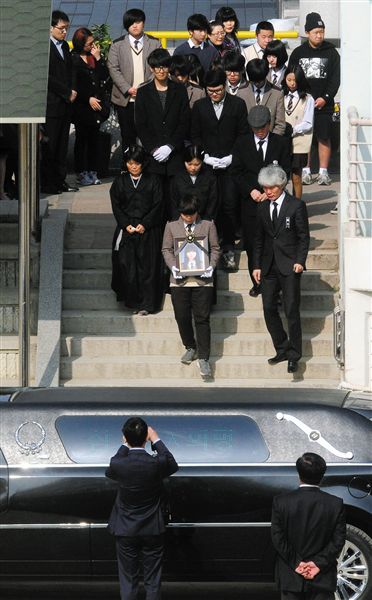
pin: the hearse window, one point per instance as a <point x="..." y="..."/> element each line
<point x="193" y="439"/>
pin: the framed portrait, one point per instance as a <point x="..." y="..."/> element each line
<point x="192" y="260"/>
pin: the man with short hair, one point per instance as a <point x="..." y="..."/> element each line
<point x="264" y="35"/>
<point x="137" y="519"/>
<point x="320" y="62"/>
<point x="53" y="168"/>
<point x="128" y="66"/>
<point x="198" y="28"/>
<point x="308" y="531"/>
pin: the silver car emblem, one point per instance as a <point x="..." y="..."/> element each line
<point x="314" y="435"/>
<point x="30" y="436"/>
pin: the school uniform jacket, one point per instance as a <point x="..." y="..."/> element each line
<point x="273" y="99"/>
<point x="205" y="187"/>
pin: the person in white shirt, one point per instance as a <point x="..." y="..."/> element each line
<point x="276" y="55"/>
<point x="264" y="35"/>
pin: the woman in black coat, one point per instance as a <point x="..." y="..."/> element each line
<point x="89" y="110"/>
<point x="137" y="267"/>
<point x="197" y="179"/>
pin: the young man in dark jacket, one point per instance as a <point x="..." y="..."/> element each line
<point x="320" y="62"/>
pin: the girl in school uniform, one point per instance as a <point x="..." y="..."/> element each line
<point x="276" y="55"/>
<point x="299" y="113"/>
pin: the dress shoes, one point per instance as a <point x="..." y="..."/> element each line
<point x="50" y="191"/>
<point x="277" y="359"/>
<point x="292" y="366"/>
<point x="66" y="187"/>
<point x="255" y="291"/>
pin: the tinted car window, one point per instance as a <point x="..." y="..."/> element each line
<point x="193" y="439"/>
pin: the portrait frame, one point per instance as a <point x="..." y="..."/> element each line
<point x="196" y="263"/>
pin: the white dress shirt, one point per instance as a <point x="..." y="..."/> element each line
<point x="139" y="45"/>
<point x="264" y="145"/>
<point x="279" y="202"/>
<point x="308" y="118"/>
<point x="58" y="45"/>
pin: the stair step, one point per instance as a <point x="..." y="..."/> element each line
<point x="100" y="279"/>
<point x="229" y="322"/>
<point x="227" y="367"/>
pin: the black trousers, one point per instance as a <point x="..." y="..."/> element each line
<point x="54" y="152"/>
<point x="228" y="215"/>
<point x="249" y="233"/>
<point x="315" y="595"/>
<point x="85" y="149"/>
<point x="272" y="283"/>
<point x="127" y="125"/>
<point x="131" y="551"/>
<point x="194" y="302"/>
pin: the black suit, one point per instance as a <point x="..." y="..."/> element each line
<point x="58" y="117"/>
<point x="308" y="525"/>
<point x="276" y="250"/>
<point x="246" y="166"/>
<point x="205" y="187"/>
<point x="218" y="137"/>
<point x="157" y="127"/>
<point x="136" y="519"/>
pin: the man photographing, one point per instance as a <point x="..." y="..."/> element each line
<point x="136" y="519"/>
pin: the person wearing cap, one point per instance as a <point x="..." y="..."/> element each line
<point x="320" y="62"/>
<point x="251" y="152"/>
<point x="280" y="251"/>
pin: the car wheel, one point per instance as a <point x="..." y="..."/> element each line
<point x="354" y="570"/>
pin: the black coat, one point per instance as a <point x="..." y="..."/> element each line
<point x="89" y="82"/>
<point x="137" y="508"/>
<point x="288" y="243"/>
<point x="247" y="164"/>
<point x="307" y="525"/>
<point x="60" y="82"/>
<point x="218" y="136"/>
<point x="157" y="127"/>
<point x="205" y="187"/>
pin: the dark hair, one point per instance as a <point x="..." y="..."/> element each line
<point x="197" y="72"/>
<point x="198" y="21"/>
<point x="233" y="61"/>
<point x="136" y="153"/>
<point x="135" y="431"/>
<point x="133" y="15"/>
<point x="226" y="13"/>
<point x="276" y="48"/>
<point x="265" y="25"/>
<point x="257" y="69"/>
<point x="179" y="65"/>
<point x="303" y="86"/>
<point x="58" y="15"/>
<point x="215" y="77"/>
<point x="215" y="23"/>
<point x="159" y="58"/>
<point x="189" y="204"/>
<point x="311" y="468"/>
<point x="191" y="152"/>
<point x="79" y="39"/>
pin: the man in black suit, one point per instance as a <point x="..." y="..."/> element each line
<point x="280" y="250"/>
<point x="308" y="532"/>
<point x="137" y="520"/>
<point x="257" y="149"/>
<point x="61" y="94"/>
<point x="217" y="122"/>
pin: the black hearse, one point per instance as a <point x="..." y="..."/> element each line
<point x="236" y="450"/>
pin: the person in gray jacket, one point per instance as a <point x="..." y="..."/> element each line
<point x="128" y="66"/>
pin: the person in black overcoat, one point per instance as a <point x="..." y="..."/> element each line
<point x="308" y="531"/>
<point x="137" y="204"/>
<point x="217" y="122"/>
<point x="196" y="179"/>
<point x="137" y="519"/>
<point x="280" y="250"/>
<point x="61" y="94"/>
<point x="247" y="163"/>
<point x="89" y="109"/>
<point x="162" y="116"/>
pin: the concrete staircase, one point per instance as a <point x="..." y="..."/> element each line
<point x="104" y="344"/>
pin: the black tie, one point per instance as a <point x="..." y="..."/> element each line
<point x="260" y="150"/>
<point x="136" y="42"/>
<point x="188" y="227"/>
<point x="275" y="215"/>
<point x="290" y="103"/>
<point x="275" y="79"/>
<point x="258" y="97"/>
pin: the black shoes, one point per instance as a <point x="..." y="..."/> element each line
<point x="255" y="291"/>
<point x="277" y="359"/>
<point x="66" y="187"/>
<point x="292" y="366"/>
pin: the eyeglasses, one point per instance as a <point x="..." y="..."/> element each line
<point x="215" y="92"/>
<point x="219" y="33"/>
<point x="61" y="29"/>
<point x="159" y="69"/>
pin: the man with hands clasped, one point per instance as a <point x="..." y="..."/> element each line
<point x="308" y="532"/>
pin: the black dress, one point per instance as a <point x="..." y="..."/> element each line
<point x="137" y="267"/>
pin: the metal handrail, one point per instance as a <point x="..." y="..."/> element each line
<point x="354" y="160"/>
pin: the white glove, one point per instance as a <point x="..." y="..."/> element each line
<point x="208" y="272"/>
<point x="225" y="162"/>
<point x="162" y="153"/>
<point x="175" y="273"/>
<point x="212" y="161"/>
